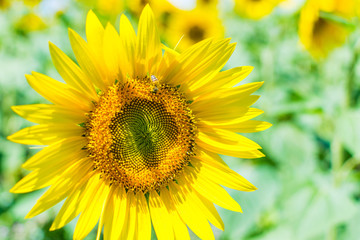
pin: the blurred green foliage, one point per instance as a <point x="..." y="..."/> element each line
<point x="308" y="183"/>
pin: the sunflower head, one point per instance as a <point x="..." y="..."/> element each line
<point x="133" y="135"/>
<point x="29" y="23"/>
<point x="149" y="135"/>
<point x="255" y="9"/>
<point x="185" y="28"/>
<point x="324" y="25"/>
<point x="4" y="4"/>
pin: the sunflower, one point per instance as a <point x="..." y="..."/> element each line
<point x="255" y="9"/>
<point x="4" y="4"/>
<point x="133" y="135"/>
<point x="160" y="7"/>
<point x="323" y="25"/>
<point x="29" y="23"/>
<point x="186" y="28"/>
<point x="31" y="3"/>
<point x="107" y="8"/>
<point x="207" y="3"/>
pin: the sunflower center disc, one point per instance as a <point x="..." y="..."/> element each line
<point x="141" y="134"/>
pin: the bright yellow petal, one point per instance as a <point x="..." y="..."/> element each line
<point x="227" y="114"/>
<point x="211" y="64"/>
<point x="224" y="79"/>
<point x="46" y="134"/>
<point x="226" y="142"/>
<point x="143" y="226"/>
<point x="71" y="73"/>
<point x="58" y="154"/>
<point x="205" y="206"/>
<point x="112" y="52"/>
<point x="70" y="209"/>
<point x="92" y="204"/>
<point x="177" y="74"/>
<point x="72" y="178"/>
<point x="210" y="167"/>
<point x="128" y="231"/>
<point x="236" y="103"/>
<point x="210" y="190"/>
<point x="148" y="44"/>
<point x="49" y="113"/>
<point x="160" y="217"/>
<point x="180" y="230"/>
<point x="191" y="215"/>
<point x="229" y="95"/>
<point x="57" y="92"/>
<point x="94" y="33"/>
<point x="128" y="39"/>
<point x="88" y="61"/>
<point x="242" y="127"/>
<point x="115" y="214"/>
<point x="210" y="211"/>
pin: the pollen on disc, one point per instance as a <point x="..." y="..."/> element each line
<point x="141" y="134"/>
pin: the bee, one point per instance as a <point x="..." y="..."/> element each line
<point x="155" y="82"/>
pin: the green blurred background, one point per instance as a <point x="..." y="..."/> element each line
<point x="308" y="183"/>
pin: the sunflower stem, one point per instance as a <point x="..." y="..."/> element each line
<point x="350" y="96"/>
<point x="337" y="157"/>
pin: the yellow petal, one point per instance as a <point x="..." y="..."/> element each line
<point x="210" y="211"/>
<point x="70" y="209"/>
<point x="94" y="33"/>
<point x="225" y="142"/>
<point x="205" y="206"/>
<point x="211" y="64"/>
<point x="46" y="134"/>
<point x="160" y="217"/>
<point x="92" y="204"/>
<point x="243" y="127"/>
<point x="115" y="213"/>
<point x="225" y="79"/>
<point x="35" y="180"/>
<point x="128" y="39"/>
<point x="112" y="52"/>
<point x="148" y="44"/>
<point x="72" y="178"/>
<point x="143" y="226"/>
<point x="88" y="61"/>
<point x="71" y="73"/>
<point x="186" y="61"/>
<point x="49" y="113"/>
<point x="128" y="231"/>
<point x="210" y="190"/>
<point x="58" y="154"/>
<point x="57" y="92"/>
<point x="211" y="168"/>
<point x="179" y="227"/>
<point x="227" y="114"/>
<point x="191" y="215"/>
<point x="215" y="104"/>
<point x="229" y="95"/>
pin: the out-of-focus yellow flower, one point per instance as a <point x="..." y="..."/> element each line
<point x="160" y="7"/>
<point x="31" y="3"/>
<point x="163" y="11"/>
<point x="323" y="25"/>
<point x="190" y="27"/>
<point x="255" y="9"/>
<point x="29" y="23"/>
<point x="4" y="4"/>
<point x="110" y="7"/>
<point x="207" y="3"/>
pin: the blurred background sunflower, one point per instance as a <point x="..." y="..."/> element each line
<point x="306" y="51"/>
